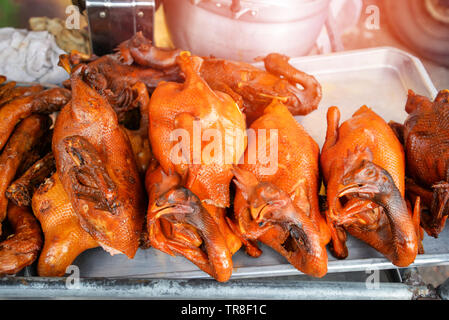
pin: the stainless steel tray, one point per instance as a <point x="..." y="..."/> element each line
<point x="378" y="78"/>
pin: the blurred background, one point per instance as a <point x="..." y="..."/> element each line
<point x="418" y="26"/>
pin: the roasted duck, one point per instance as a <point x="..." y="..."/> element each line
<point x="139" y="138"/>
<point x="17" y="92"/>
<point x="252" y="88"/>
<point x="363" y="165"/>
<point x="113" y="75"/>
<point x="277" y="202"/>
<point x="178" y="223"/>
<point x="65" y="239"/>
<point x="5" y="87"/>
<point x="141" y="51"/>
<point x="425" y="136"/>
<point x="257" y="87"/>
<point x="21" y="190"/>
<point x="24" y="138"/>
<point x="97" y="168"/>
<point x="195" y="114"/>
<point x="21" y="248"/>
<point x="46" y="102"/>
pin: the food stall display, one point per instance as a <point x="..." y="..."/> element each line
<point x="150" y="162"/>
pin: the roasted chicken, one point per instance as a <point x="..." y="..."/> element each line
<point x="97" y="168"/>
<point x="363" y="165"/>
<point x="184" y="119"/>
<point x="65" y="239"/>
<point x="178" y="223"/>
<point x="22" y="247"/>
<point x="425" y="135"/>
<point x="277" y="200"/>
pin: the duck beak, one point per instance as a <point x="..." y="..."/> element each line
<point x="257" y="212"/>
<point x="357" y="188"/>
<point x="170" y="209"/>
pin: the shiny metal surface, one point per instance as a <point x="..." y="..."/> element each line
<point x="379" y="78"/>
<point x="114" y="21"/>
<point x="57" y="288"/>
<point x="255" y="29"/>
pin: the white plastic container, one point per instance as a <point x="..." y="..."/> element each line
<point x="255" y="28"/>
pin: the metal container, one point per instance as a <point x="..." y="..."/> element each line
<point x="378" y="78"/>
<point x="245" y="31"/>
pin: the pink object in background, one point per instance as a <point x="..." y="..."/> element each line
<point x="250" y="29"/>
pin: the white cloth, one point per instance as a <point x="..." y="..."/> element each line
<point x="30" y="56"/>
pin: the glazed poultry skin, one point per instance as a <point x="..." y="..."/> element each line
<point x="177" y="223"/>
<point x="363" y="164"/>
<point x="139" y="138"/>
<point x="24" y="138"/>
<point x="183" y="110"/>
<point x="257" y="87"/>
<point x="425" y="135"/>
<point x="22" y="248"/>
<point x="141" y="51"/>
<point x="251" y="88"/>
<point x="6" y="88"/>
<point x="135" y="60"/>
<point x="65" y="239"/>
<point x="46" y="102"/>
<point x="21" y="190"/>
<point x="280" y="207"/>
<point x="97" y="168"/>
<point x="19" y="92"/>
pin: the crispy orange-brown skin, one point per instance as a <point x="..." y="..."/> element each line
<point x="298" y="162"/>
<point x="6" y="88"/>
<point x="46" y="101"/>
<point x="139" y="138"/>
<point x="22" y="248"/>
<point x="367" y="137"/>
<point x="21" y="190"/>
<point x="257" y="87"/>
<point x="23" y="140"/>
<point x="97" y="168"/>
<point x="426" y="143"/>
<point x="135" y="60"/>
<point x="19" y="92"/>
<point x="184" y="107"/>
<point x="141" y="51"/>
<point x="64" y="237"/>
<point x="294" y="170"/>
<point x="177" y="223"/>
